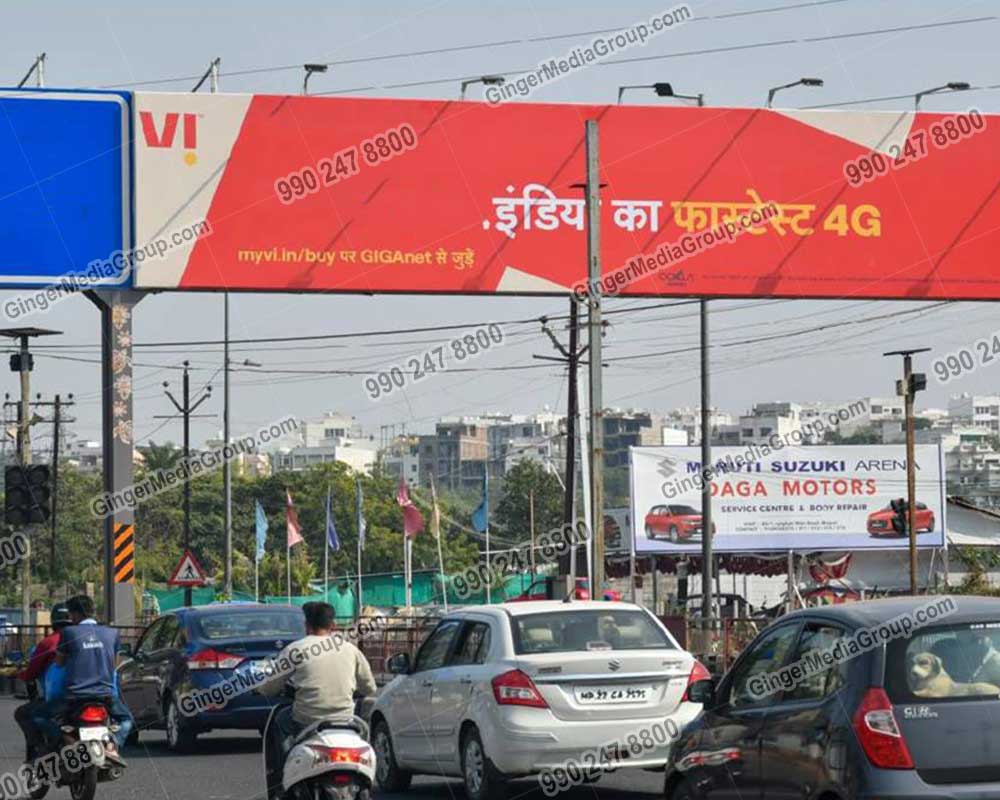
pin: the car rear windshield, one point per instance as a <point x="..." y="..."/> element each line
<point x="251" y="625"/>
<point x="957" y="661"/>
<point x="577" y="631"/>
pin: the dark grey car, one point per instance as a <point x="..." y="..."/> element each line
<point x="847" y="702"/>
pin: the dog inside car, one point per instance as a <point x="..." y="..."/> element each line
<point x="928" y="678"/>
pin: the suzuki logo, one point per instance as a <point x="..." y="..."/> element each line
<point x="614" y="665"/>
<point x="667" y="467"/>
<point x="165" y="136"/>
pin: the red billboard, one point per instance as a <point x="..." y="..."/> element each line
<point x="313" y="194"/>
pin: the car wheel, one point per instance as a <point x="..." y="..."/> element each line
<point x="650" y="533"/>
<point x="387" y="772"/>
<point x="180" y="737"/>
<point x="673" y="534"/>
<point x="482" y="780"/>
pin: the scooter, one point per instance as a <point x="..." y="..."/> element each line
<point x="86" y="754"/>
<point x="329" y="760"/>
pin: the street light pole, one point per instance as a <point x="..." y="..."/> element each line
<point x="800" y="82"/>
<point x="908" y="388"/>
<point x="186" y="410"/>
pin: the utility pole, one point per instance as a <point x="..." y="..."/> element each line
<point x="227" y="472"/>
<point x="707" y="557"/>
<point x="531" y="528"/>
<point x="38" y="70"/>
<point x="186" y="409"/>
<point x="571" y="357"/>
<point x="908" y="388"/>
<point x="593" y="209"/>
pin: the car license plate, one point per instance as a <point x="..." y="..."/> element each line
<point x="603" y="695"/>
<point x="93" y="734"/>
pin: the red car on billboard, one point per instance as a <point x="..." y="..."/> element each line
<point x="880" y="522"/>
<point x="677" y="522"/>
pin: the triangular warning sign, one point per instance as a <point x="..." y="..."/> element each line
<point x="188" y="572"/>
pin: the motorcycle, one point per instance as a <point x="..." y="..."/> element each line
<point x="85" y="755"/>
<point x="329" y="760"/>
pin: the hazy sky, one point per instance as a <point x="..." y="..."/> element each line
<point x="120" y="44"/>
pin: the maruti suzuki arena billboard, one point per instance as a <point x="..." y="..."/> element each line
<point x="790" y="498"/>
<point x="334" y="194"/>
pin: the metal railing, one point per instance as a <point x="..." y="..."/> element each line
<point x="17" y="641"/>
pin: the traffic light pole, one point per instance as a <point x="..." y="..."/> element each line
<point x="24" y="459"/>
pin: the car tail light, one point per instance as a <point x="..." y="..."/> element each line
<point x="879" y="734"/>
<point x="213" y="659"/>
<point x="698" y="673"/>
<point x="342" y="755"/>
<point x="514" y="688"/>
<point x="93" y="714"/>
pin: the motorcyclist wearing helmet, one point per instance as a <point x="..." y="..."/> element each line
<point x="41" y="670"/>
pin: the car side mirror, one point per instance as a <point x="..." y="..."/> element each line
<point x="125" y="650"/>
<point x="399" y="664"/>
<point x="702" y="692"/>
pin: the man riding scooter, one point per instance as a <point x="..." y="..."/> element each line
<point x="42" y="670"/>
<point x="327" y="673"/>
<point x="87" y="651"/>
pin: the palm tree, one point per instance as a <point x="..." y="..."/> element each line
<point x="161" y="456"/>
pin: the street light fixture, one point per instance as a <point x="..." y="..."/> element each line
<point x="954" y="86"/>
<point x="663" y="90"/>
<point x="800" y="82"/>
<point x="485" y="80"/>
<point x="310" y="69"/>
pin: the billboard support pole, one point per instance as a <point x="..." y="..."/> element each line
<point x="596" y="329"/>
<point x="707" y="557"/>
<point x="911" y="475"/>
<point x="118" y="443"/>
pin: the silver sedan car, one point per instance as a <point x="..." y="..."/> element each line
<point x="510" y="690"/>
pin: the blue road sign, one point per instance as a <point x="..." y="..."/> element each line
<point x="65" y="188"/>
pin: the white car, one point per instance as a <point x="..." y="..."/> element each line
<point x="502" y="691"/>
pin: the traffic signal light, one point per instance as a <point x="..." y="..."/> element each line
<point x="28" y="494"/>
<point x="899" y="519"/>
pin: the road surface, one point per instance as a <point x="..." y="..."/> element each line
<point x="228" y="766"/>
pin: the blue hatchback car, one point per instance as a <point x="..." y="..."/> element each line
<point x="188" y="652"/>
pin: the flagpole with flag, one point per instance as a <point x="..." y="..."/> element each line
<point x="332" y="543"/>
<point x="436" y="533"/>
<point x="481" y="522"/>
<point x="413" y="523"/>
<point x="294" y="531"/>
<point x="359" y="500"/>
<point x="261" y="524"/>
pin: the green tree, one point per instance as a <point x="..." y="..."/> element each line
<point x="528" y="481"/>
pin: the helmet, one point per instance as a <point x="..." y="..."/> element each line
<point x="60" y="617"/>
